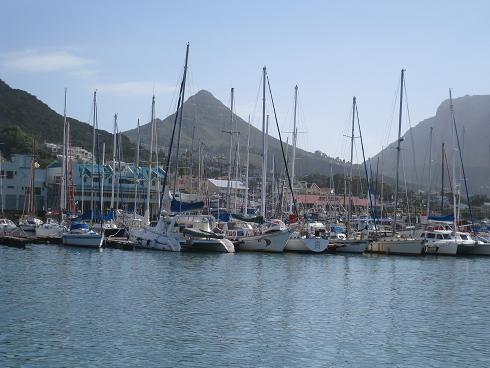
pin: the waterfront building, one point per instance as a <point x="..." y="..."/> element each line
<point x="15" y="181"/>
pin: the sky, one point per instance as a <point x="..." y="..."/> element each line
<point x="333" y="50"/>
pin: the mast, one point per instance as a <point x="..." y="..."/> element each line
<point x="228" y="189"/>
<point x="136" y="169"/>
<point x="264" y="155"/>
<point x="114" y="143"/>
<point x="382" y="187"/>
<point x="266" y="160"/>
<point x="272" y="186"/>
<point x="349" y="208"/>
<point x="101" y="179"/>
<point x="430" y="173"/>
<point x="295" y="137"/>
<point x="180" y="121"/>
<point x="63" y="165"/>
<point x="93" y="160"/>
<point x="180" y="103"/>
<point x="245" y="207"/>
<point x="399" y="140"/>
<point x="442" y="179"/>
<point x="461" y="159"/>
<point x="148" y="188"/>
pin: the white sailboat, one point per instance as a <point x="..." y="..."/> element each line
<point x="268" y="241"/>
<point x="394" y="244"/>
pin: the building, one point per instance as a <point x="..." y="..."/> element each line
<point x="130" y="186"/>
<point x="15" y="176"/>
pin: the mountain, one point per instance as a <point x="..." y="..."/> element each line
<point x="23" y="117"/>
<point x="211" y="117"/>
<point x="472" y="115"/>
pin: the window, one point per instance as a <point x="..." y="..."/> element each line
<point x="431" y="236"/>
<point x="10" y="174"/>
<point x="464" y="237"/>
<point x="439" y="236"/>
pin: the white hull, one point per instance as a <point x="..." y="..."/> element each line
<point x="450" y="248"/>
<point x="149" y="238"/>
<point x="269" y="242"/>
<point x="28" y="228"/>
<point x="49" y="232"/>
<point x="397" y="246"/>
<point x="350" y="246"/>
<point x="208" y="245"/>
<point x="315" y="245"/>
<point x="83" y="240"/>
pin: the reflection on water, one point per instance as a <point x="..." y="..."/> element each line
<point x="75" y="307"/>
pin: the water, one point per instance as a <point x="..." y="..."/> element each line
<point x="74" y="307"/>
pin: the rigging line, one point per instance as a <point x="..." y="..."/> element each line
<point x="390" y="120"/>
<point x="282" y="148"/>
<point x="448" y="173"/>
<point x="365" y="170"/>
<point x="411" y="134"/>
<point x="406" y="190"/>
<point x="256" y="101"/>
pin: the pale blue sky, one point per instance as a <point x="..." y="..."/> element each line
<point x="331" y="49"/>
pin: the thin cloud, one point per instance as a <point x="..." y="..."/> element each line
<point x="133" y="88"/>
<point x="36" y="61"/>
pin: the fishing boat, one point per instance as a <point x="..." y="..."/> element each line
<point x="80" y="235"/>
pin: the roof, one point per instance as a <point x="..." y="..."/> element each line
<point x="223" y="183"/>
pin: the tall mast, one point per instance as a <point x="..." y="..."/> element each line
<point x="114" y="144"/>
<point x="382" y="187"/>
<point x="180" y="121"/>
<point x="228" y="189"/>
<point x="455" y="219"/>
<point x="264" y="156"/>
<point x="93" y="160"/>
<point x="349" y="206"/>
<point x="136" y="169"/>
<point x="245" y="207"/>
<point x="180" y="103"/>
<point x="442" y="180"/>
<point x="430" y="173"/>
<point x="101" y="178"/>
<point x="398" y="150"/>
<point x="295" y="137"/>
<point x="63" y="165"/>
<point x="148" y="188"/>
<point x="155" y="135"/>
<point x="273" y="181"/>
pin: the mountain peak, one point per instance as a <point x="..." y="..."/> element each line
<point x="203" y="97"/>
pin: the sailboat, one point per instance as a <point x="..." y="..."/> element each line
<point x="159" y="237"/>
<point x="29" y="222"/>
<point x="307" y="239"/>
<point x="394" y="244"/>
<point x="349" y="244"/>
<point x="273" y="239"/>
<point x="80" y="234"/>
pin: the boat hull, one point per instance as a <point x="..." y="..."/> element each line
<point x="349" y="246"/>
<point x="49" y="232"/>
<point x="208" y="245"/>
<point x="311" y="245"/>
<point x="409" y="247"/>
<point x="148" y="238"/>
<point x="83" y="240"/>
<point x="479" y="250"/>
<point x="446" y="249"/>
<point x="269" y="242"/>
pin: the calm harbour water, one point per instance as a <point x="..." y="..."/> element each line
<point x="74" y="307"/>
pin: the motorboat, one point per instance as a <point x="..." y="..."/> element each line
<point x="156" y="237"/>
<point x="7" y="226"/>
<point x="482" y="246"/>
<point x="80" y="235"/>
<point x="50" y="229"/>
<point x="29" y="224"/>
<point x="440" y="242"/>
